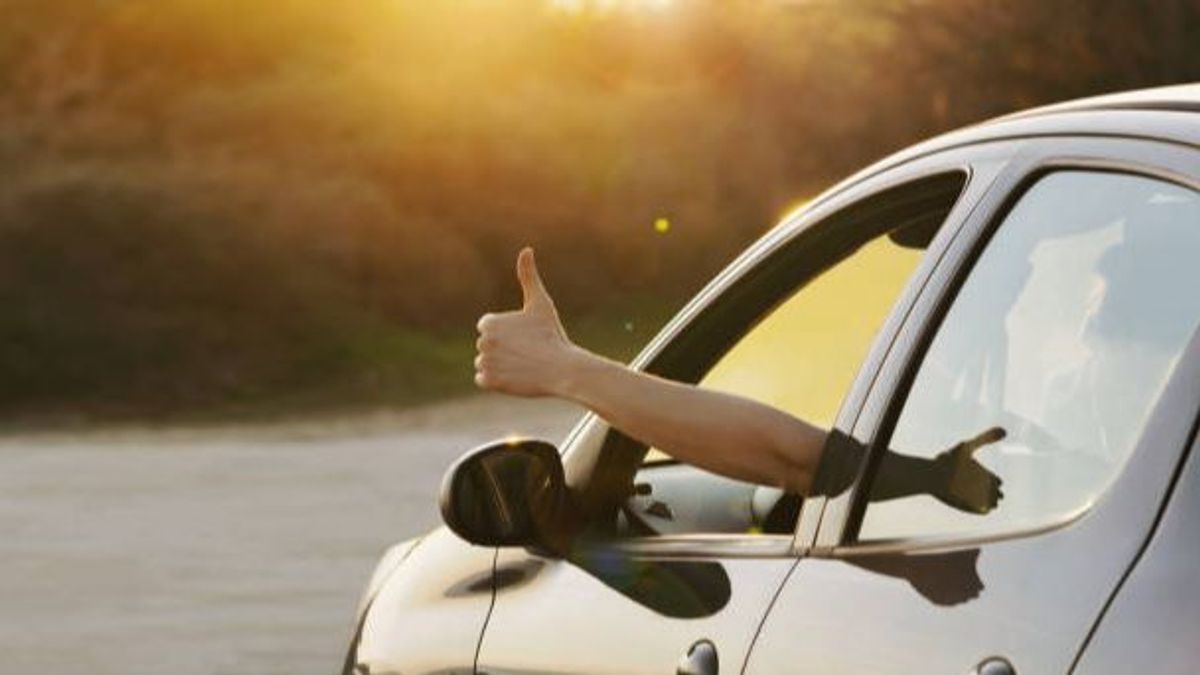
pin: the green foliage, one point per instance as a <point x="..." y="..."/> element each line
<point x="210" y="201"/>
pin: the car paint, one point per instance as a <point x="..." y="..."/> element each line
<point x="618" y="611"/>
<point x="430" y="615"/>
<point x="428" y="618"/>
<point x="1159" y="603"/>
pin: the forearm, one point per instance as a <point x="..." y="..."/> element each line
<point x="903" y="476"/>
<point x="898" y="475"/>
<point x="726" y="434"/>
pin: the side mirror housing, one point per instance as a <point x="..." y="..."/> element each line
<point x="510" y="493"/>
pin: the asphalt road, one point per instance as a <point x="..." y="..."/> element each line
<point x="219" y="551"/>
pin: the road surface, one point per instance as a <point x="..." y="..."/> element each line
<point x="232" y="551"/>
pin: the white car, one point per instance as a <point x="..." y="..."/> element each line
<point x="1038" y="275"/>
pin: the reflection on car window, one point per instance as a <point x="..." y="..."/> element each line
<point x="1063" y="336"/>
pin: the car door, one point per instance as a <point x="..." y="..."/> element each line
<point x="680" y="561"/>
<point x="1055" y="349"/>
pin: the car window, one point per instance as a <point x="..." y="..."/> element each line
<point x="804" y="355"/>
<point x="812" y="338"/>
<point x="801" y="356"/>
<point x="1043" y="373"/>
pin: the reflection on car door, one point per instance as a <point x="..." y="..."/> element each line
<point x="1095" y="381"/>
<point x="616" y="611"/>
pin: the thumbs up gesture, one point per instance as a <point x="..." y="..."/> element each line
<point x="524" y="352"/>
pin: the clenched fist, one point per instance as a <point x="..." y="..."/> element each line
<point x="525" y="352"/>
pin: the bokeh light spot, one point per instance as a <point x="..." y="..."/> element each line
<point x="662" y="225"/>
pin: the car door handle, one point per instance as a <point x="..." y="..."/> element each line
<point x="700" y="659"/>
<point x="994" y="666"/>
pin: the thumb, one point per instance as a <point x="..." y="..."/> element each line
<point x="986" y="438"/>
<point x="532" y="288"/>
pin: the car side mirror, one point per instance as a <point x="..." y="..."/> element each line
<point x="510" y="493"/>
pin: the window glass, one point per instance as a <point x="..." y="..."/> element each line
<point x="802" y="357"/>
<point x="1044" y="372"/>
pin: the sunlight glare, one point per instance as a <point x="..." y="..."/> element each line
<point x="577" y="6"/>
<point x="792" y="210"/>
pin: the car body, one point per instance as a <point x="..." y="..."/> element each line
<point x="1047" y="284"/>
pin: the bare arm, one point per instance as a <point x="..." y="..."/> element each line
<point x="725" y="434"/>
<point x="527" y="353"/>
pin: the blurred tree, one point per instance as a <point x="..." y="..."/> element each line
<point x="207" y="200"/>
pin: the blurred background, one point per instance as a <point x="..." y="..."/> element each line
<point x="222" y="207"/>
<point x="215" y="212"/>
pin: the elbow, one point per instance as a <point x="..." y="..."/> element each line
<point x="797" y="452"/>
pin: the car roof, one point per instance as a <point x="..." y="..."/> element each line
<point x="1167" y="114"/>
<point x="1180" y="98"/>
<point x="1163" y="113"/>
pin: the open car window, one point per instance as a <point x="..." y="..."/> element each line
<point x="800" y="352"/>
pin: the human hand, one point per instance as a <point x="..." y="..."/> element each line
<point x="965" y="484"/>
<point x="524" y="352"/>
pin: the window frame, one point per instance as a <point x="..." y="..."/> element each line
<point x="584" y="450"/>
<point x="885" y="402"/>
